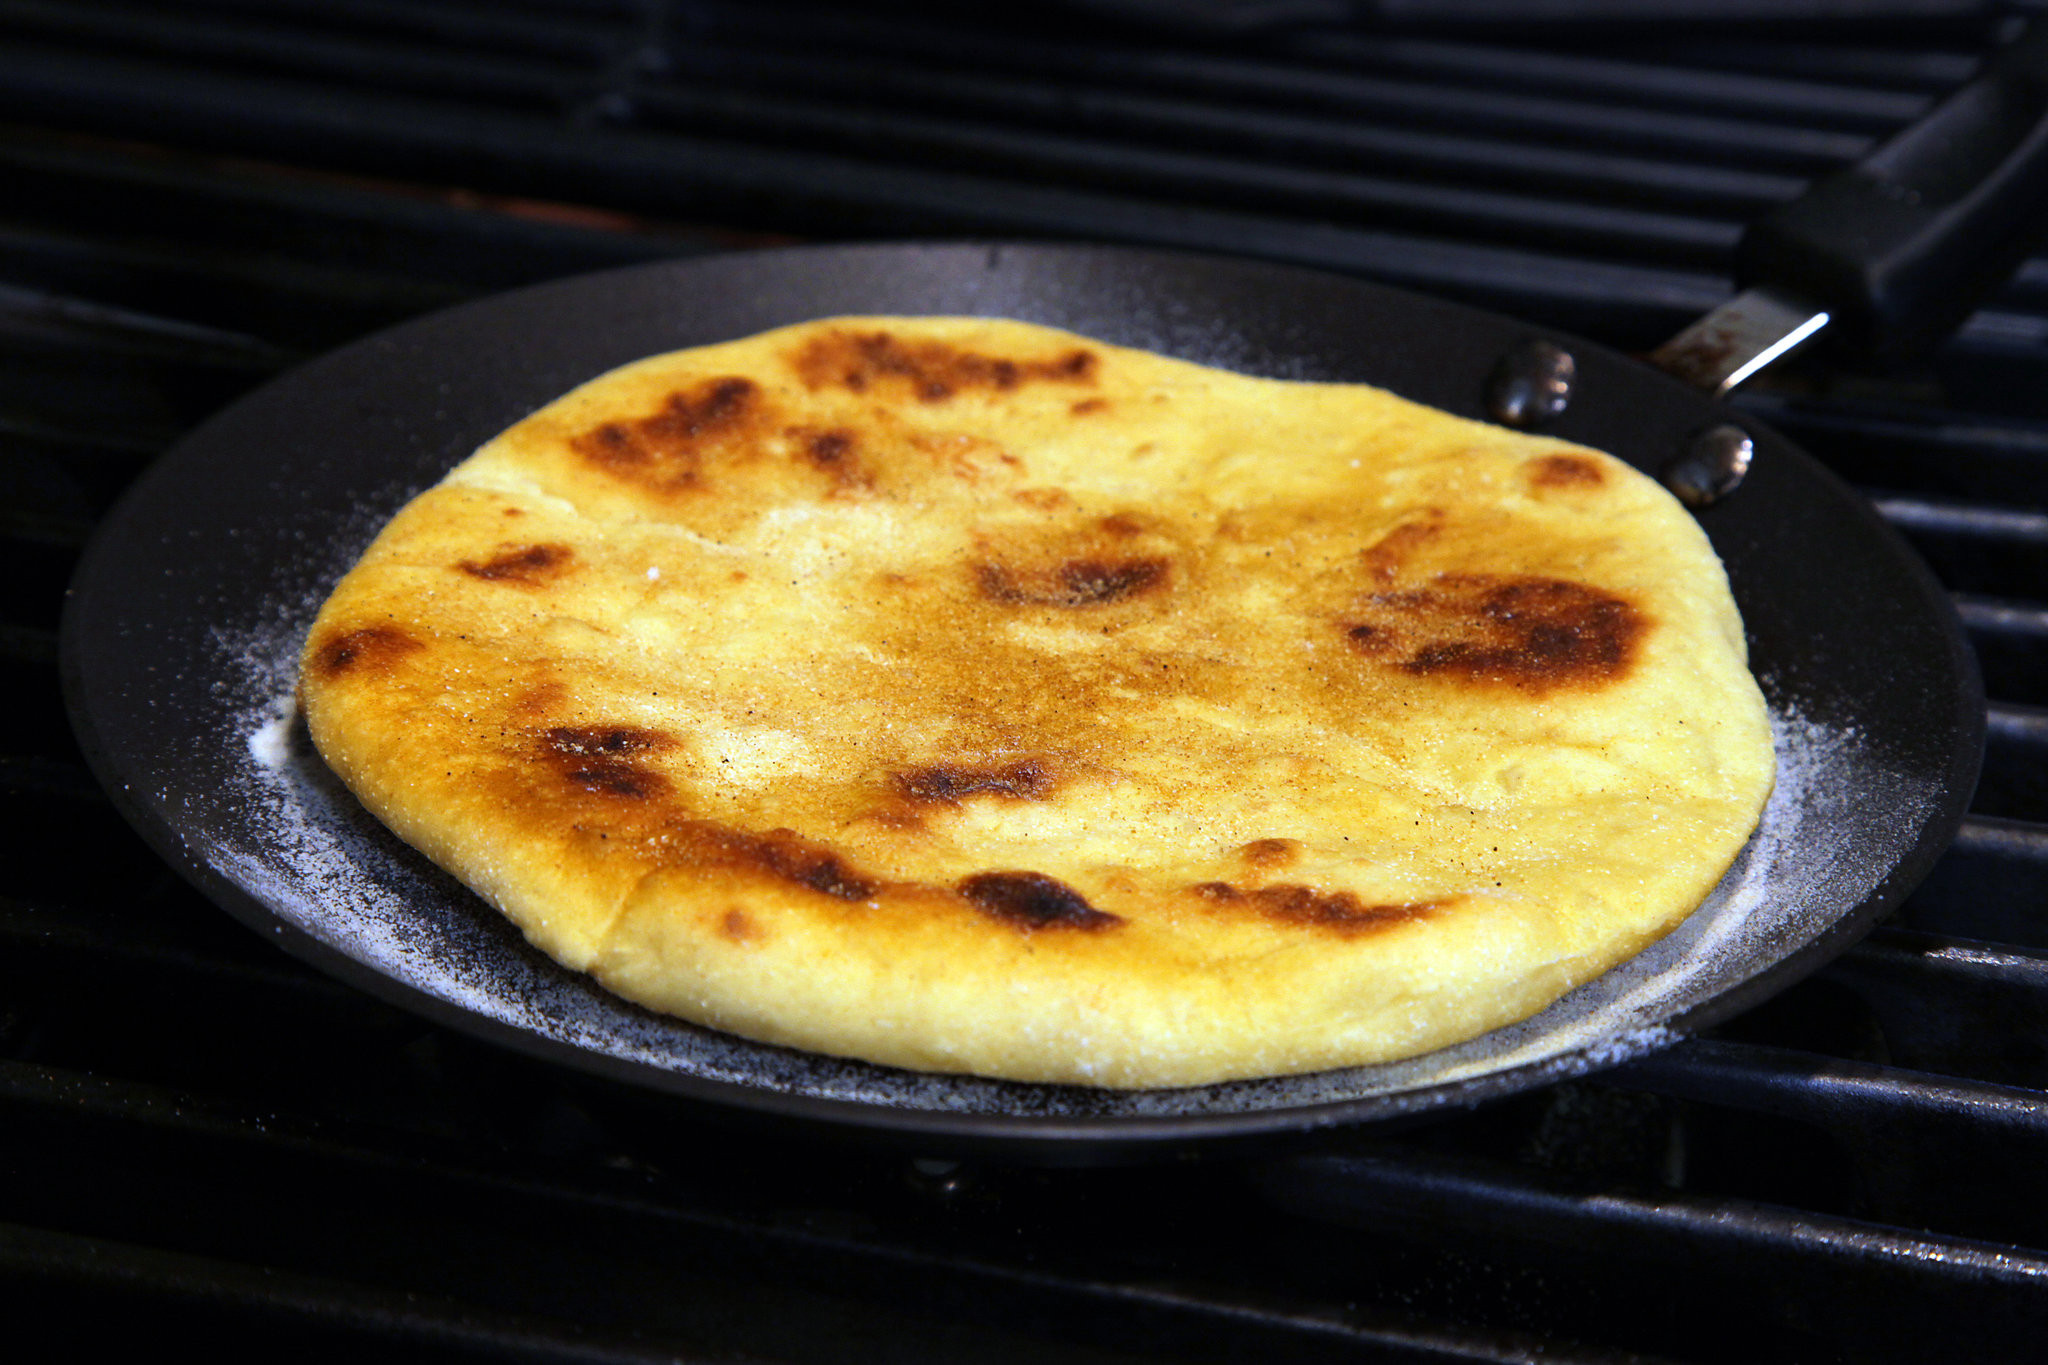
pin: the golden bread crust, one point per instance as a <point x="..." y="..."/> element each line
<point x="970" y="696"/>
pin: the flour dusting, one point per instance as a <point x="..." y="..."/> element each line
<point x="270" y="742"/>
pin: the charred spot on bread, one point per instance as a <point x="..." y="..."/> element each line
<point x="831" y="451"/>
<point x="951" y="783"/>
<point x="1086" y="582"/>
<point x="1342" y="911"/>
<point x="371" y="648"/>
<point x="780" y="853"/>
<point x="600" y="759"/>
<point x="931" y="371"/>
<point x="1531" y="633"/>
<point x="1033" y="901"/>
<point x="521" y="565"/>
<point x="666" y="450"/>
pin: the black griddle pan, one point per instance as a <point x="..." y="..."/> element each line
<point x="188" y="610"/>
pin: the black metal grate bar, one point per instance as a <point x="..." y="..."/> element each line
<point x="1991" y="885"/>
<point x="1987" y="453"/>
<point x="944" y="131"/>
<point x="1841" y="102"/>
<point x="1451" y="211"/>
<point x="1853" y="1288"/>
<point x="1540" y="103"/>
<point x="1844" y="1096"/>
<point x="480" y="1234"/>
<point x="697" y="178"/>
<point x="120" y="1297"/>
<point x="2011" y="638"/>
<point x="750" y="80"/>
<point x="1955" y="1006"/>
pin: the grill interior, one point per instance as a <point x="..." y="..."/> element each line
<point x="199" y="1134"/>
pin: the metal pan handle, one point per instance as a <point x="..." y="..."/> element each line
<point x="1899" y="247"/>
<point x="1886" y="256"/>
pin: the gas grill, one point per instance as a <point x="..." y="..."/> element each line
<point x="200" y="1136"/>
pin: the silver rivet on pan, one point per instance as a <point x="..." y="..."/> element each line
<point x="1531" y="384"/>
<point x="1714" y="463"/>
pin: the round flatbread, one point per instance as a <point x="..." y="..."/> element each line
<point x="970" y="696"/>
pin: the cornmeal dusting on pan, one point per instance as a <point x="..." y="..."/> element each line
<point x="973" y="697"/>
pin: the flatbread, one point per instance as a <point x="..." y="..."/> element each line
<point x="970" y="696"/>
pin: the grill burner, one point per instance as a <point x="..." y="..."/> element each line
<point x="200" y="1134"/>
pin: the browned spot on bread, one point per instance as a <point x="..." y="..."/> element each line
<point x="601" y="759"/>
<point x="930" y="371"/>
<point x="1122" y="525"/>
<point x="1371" y="641"/>
<point x="525" y="565"/>
<point x="609" y="777"/>
<point x="1565" y="471"/>
<point x="737" y="927"/>
<point x="1032" y="901"/>
<point x="780" y="853"/>
<point x="606" y="739"/>
<point x="963" y="455"/>
<point x="1269" y="853"/>
<point x="372" y="647"/>
<point x="834" y="452"/>
<point x="1089" y="406"/>
<point x="1533" y="634"/>
<point x="1341" y="911"/>
<point x="538" y="701"/>
<point x="897" y="818"/>
<point x="1044" y="499"/>
<point x="950" y="784"/>
<point x="1074" y="583"/>
<point x="1384" y="558"/>
<point x="666" y="450"/>
<point x="831" y="451"/>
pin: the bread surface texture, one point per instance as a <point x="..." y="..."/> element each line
<point x="969" y="696"/>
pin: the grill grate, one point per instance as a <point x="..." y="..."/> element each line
<point x="199" y="1133"/>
